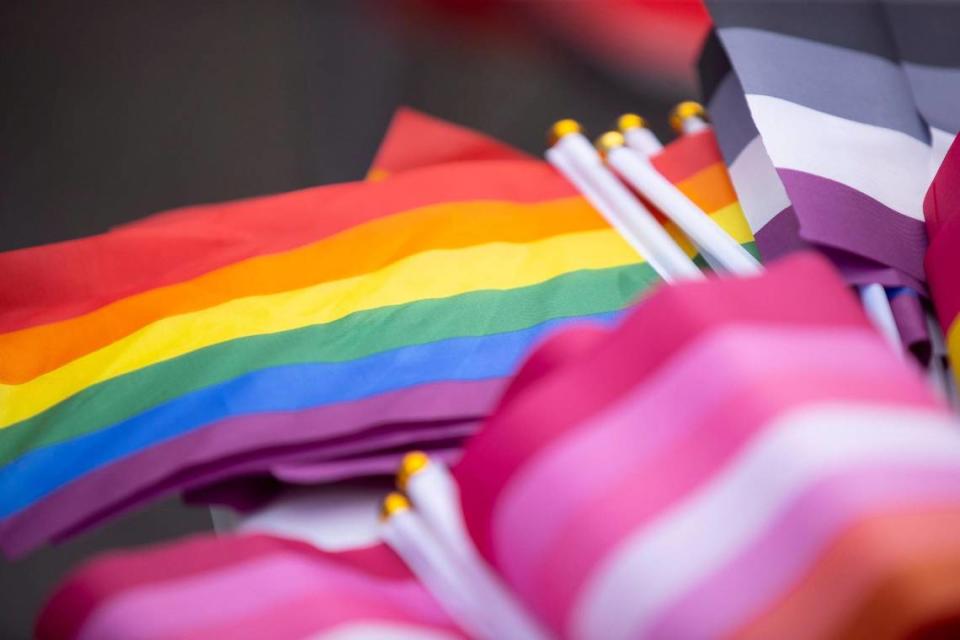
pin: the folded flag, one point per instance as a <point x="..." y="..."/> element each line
<point x="924" y="35"/>
<point x="692" y="162"/>
<point x="737" y="458"/>
<point x="855" y="136"/>
<point x="284" y="320"/>
<point x="201" y="343"/>
<point x="784" y="434"/>
<point x="832" y="120"/>
<point x="415" y="140"/>
<point x="942" y="210"/>
<point x="245" y="587"/>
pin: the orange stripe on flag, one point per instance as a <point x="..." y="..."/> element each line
<point x="30" y="352"/>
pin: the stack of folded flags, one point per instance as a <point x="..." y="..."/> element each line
<point x="304" y="337"/>
<point x="730" y="457"/>
<point x="737" y="457"/>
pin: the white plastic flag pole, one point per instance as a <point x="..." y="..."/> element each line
<point x="403" y="531"/>
<point x="656" y="244"/>
<point x="640" y="139"/>
<point x="638" y="136"/>
<point x="436" y="498"/>
<point x="877" y="306"/>
<point x="645" y="142"/>
<point x="702" y="230"/>
<point x="565" y="166"/>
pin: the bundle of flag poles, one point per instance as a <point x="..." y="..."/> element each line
<point x="811" y="494"/>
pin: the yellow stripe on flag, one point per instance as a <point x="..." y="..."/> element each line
<point x="431" y="274"/>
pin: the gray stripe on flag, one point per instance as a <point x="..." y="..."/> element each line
<point x="842" y="82"/>
<point x="851" y="24"/>
<point x="729" y="110"/>
<point x="937" y="93"/>
<point x="925" y="33"/>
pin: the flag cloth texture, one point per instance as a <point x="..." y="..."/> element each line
<point x="759" y="413"/>
<point x="339" y="322"/>
<point x="245" y="587"/>
<point x="691" y="162"/>
<point x="832" y="120"/>
<point x="738" y="457"/>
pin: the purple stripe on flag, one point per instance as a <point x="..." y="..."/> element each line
<point x="780" y="236"/>
<point x="259" y="464"/>
<point x="835" y="215"/>
<point x="336" y="461"/>
<point x="370" y="444"/>
<point x="860" y="271"/>
<point x="244" y="494"/>
<point x="249" y="493"/>
<point x="912" y="324"/>
<point x="379" y="465"/>
<point x="129" y="480"/>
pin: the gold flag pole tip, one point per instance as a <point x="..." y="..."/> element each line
<point x="394" y="503"/>
<point x="412" y="463"/>
<point x="562" y="128"/>
<point x="609" y="141"/>
<point x="684" y="111"/>
<point x="631" y="121"/>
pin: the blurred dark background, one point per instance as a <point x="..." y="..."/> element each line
<point x="112" y="111"/>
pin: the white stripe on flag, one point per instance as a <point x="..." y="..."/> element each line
<point x="887" y="165"/>
<point x="759" y="188"/>
<point x="657" y="564"/>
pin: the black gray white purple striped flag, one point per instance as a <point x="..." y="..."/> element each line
<point x="838" y="159"/>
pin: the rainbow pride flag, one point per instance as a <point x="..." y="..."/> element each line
<point x="692" y="162"/>
<point x="738" y="458"/>
<point x="198" y="343"/>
